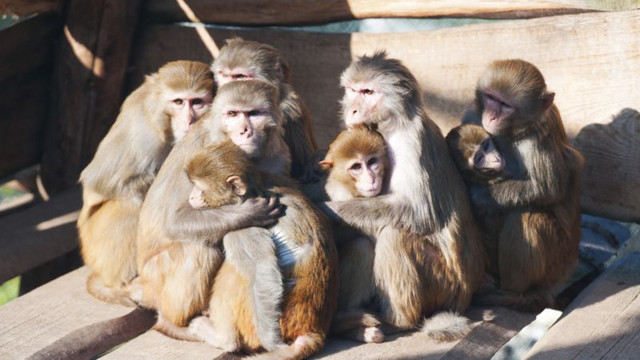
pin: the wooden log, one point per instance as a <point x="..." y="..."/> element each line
<point x="88" y="83"/>
<point x="593" y="78"/>
<point x="27" y="7"/>
<point x="25" y="75"/>
<point x="35" y="235"/>
<point x="282" y="12"/>
<point x="603" y="322"/>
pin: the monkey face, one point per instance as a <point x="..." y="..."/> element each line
<point x="496" y="112"/>
<point x="367" y="173"/>
<point x="361" y="103"/>
<point x="249" y="128"/>
<point x="184" y="109"/>
<point x="196" y="197"/>
<point x="487" y="160"/>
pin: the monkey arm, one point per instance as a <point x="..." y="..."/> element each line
<point x="211" y="225"/>
<point x="367" y="215"/>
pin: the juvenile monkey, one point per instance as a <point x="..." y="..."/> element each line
<point x="179" y="247"/>
<point x="245" y="60"/>
<point x="223" y="175"/>
<point x="539" y="199"/>
<point x="152" y="119"/>
<point x="427" y="257"/>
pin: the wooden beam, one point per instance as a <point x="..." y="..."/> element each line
<point x="26" y="50"/>
<point x="88" y="82"/>
<point x="603" y="322"/>
<point x="283" y="12"/>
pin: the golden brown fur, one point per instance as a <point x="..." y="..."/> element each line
<point x="537" y="246"/>
<point x="243" y="59"/>
<point x="126" y="162"/>
<point x="306" y="254"/>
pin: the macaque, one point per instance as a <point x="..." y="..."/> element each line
<point x="244" y="60"/>
<point x="428" y="257"/>
<point x="539" y="198"/>
<point x="152" y="119"/>
<point x="223" y="175"/>
<point x="179" y="247"/>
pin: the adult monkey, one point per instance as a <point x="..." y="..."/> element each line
<point x="179" y="247"/>
<point x="539" y="247"/>
<point x="245" y="60"/>
<point x="152" y="119"/>
<point x="426" y="215"/>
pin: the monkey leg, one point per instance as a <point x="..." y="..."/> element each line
<point x="108" y="245"/>
<point x="356" y="272"/>
<point x="178" y="280"/>
<point x="397" y="281"/>
<point x="252" y="252"/>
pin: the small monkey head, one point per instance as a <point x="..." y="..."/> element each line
<point x="185" y="90"/>
<point x="475" y="153"/>
<point x="510" y="95"/>
<point x="220" y="176"/>
<point x="249" y="114"/>
<point x="378" y="90"/>
<point x="245" y="60"/>
<point x="357" y="164"/>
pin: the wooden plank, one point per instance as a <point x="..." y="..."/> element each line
<point x="25" y="75"/>
<point x="574" y="52"/>
<point x="603" y="322"/>
<point x="50" y="312"/>
<point x="26" y="7"/>
<point x="38" y="234"/>
<point x="88" y="80"/>
<point x="281" y="12"/>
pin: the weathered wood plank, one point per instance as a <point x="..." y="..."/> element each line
<point x="279" y="12"/>
<point x="88" y="84"/>
<point x="26" y="7"/>
<point x="603" y="322"/>
<point x="50" y="312"/>
<point x="38" y="234"/>
<point x="593" y="78"/>
<point x="25" y="75"/>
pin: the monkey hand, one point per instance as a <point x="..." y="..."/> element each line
<point x="262" y="211"/>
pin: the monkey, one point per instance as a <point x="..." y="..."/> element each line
<point x="540" y="197"/>
<point x="428" y="256"/>
<point x="152" y="119"/>
<point x="179" y="247"/>
<point x="222" y="174"/>
<point x="243" y="60"/>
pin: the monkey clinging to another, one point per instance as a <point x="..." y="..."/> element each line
<point x="536" y="245"/>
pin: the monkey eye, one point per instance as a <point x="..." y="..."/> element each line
<point x="478" y="159"/>
<point x="356" y="167"/>
<point x="238" y="76"/>
<point x="253" y="113"/>
<point x="373" y="161"/>
<point x="367" y="91"/>
<point x="197" y="101"/>
<point x="232" y="113"/>
<point x="178" y="101"/>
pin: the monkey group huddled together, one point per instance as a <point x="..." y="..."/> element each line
<point x="209" y="202"/>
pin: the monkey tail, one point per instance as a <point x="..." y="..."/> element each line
<point x="358" y="325"/>
<point x="97" y="288"/>
<point x="446" y="326"/>
<point x="531" y="301"/>
<point x="302" y="347"/>
<point x="95" y="339"/>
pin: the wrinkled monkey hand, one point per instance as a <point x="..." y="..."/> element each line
<point x="262" y="211"/>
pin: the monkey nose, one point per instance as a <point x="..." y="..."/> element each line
<point x="354" y="112"/>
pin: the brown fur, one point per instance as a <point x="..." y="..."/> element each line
<point x="537" y="246"/>
<point x="310" y="280"/>
<point x="264" y="62"/>
<point x="427" y="256"/>
<point x="179" y="248"/>
<point x="117" y="179"/>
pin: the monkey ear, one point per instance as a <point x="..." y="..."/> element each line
<point x="325" y="165"/>
<point x="237" y="185"/>
<point x="547" y="100"/>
